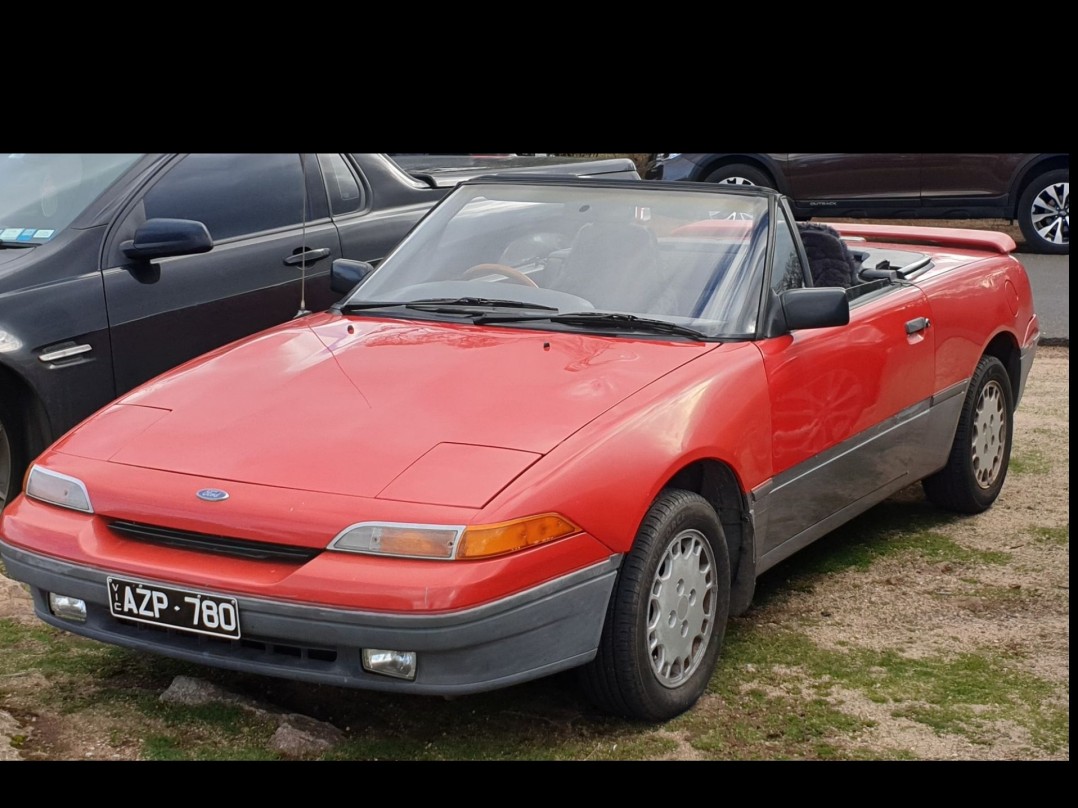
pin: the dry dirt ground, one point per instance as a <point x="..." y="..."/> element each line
<point x="892" y="604"/>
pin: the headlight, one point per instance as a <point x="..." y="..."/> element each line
<point x="396" y="539"/>
<point x="449" y="542"/>
<point x="58" y="489"/>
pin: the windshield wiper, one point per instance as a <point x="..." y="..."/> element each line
<point x="16" y="245"/>
<point x="446" y="304"/>
<point x="485" y="302"/>
<point x="601" y="319"/>
<point x="372" y="304"/>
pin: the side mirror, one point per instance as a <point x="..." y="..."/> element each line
<point x="820" y="307"/>
<point x="161" y="238"/>
<point x="345" y="274"/>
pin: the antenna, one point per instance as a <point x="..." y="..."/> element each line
<point x="303" y="246"/>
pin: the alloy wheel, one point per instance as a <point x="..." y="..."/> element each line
<point x="735" y="181"/>
<point x="1050" y="213"/>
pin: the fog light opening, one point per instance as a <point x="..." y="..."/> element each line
<point x="67" y="608"/>
<point x="398" y="664"/>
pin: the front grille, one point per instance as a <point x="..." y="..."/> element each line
<point x="208" y="543"/>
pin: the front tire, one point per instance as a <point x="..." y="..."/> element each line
<point x="980" y="454"/>
<point x="12" y="460"/>
<point x="667" y="615"/>
<point x="740" y="174"/>
<point x="1044" y="213"/>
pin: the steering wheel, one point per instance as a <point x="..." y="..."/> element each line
<point x="514" y="275"/>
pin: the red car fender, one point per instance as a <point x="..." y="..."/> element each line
<point x="606" y="476"/>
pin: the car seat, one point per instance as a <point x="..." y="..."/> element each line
<point x="830" y="261"/>
<point x="611" y="264"/>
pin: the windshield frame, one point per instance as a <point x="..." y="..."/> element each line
<point x="418" y="268"/>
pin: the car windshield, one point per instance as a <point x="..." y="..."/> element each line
<point x="692" y="258"/>
<point x="41" y="194"/>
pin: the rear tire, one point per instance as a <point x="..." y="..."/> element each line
<point x="1044" y="213"/>
<point x="667" y="615"/>
<point x="980" y="454"/>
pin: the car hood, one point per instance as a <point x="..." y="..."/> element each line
<point x="408" y="410"/>
<point x="11" y="257"/>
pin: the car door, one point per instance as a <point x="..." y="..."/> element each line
<point x="825" y="179"/>
<point x="959" y="179"/>
<point x="847" y="407"/>
<point x="273" y="243"/>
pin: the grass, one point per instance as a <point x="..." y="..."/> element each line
<point x="1052" y="535"/>
<point x="1028" y="462"/>
<point x="948" y="695"/>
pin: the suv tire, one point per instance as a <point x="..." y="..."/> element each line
<point x="1044" y="213"/>
<point x="740" y="174"/>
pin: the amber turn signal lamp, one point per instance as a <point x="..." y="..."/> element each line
<point x="507" y="537"/>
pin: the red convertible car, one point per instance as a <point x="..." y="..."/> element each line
<point x="565" y="424"/>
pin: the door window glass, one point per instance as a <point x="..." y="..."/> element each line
<point x="345" y="193"/>
<point x="232" y="194"/>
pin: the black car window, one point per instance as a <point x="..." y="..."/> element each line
<point x="345" y="193"/>
<point x="232" y="194"/>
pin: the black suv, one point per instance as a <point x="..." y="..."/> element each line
<point x="1033" y="189"/>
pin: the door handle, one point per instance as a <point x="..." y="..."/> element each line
<point x="917" y="324"/>
<point x="308" y="257"/>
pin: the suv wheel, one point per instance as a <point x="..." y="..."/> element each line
<point x="1044" y="213"/>
<point x="740" y="174"/>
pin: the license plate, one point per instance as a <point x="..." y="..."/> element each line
<point x="181" y="609"/>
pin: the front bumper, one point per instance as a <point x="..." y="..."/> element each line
<point x="531" y="634"/>
<point x="670" y="169"/>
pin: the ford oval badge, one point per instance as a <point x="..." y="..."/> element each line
<point x="212" y="494"/>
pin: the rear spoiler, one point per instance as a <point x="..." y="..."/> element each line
<point x="956" y="237"/>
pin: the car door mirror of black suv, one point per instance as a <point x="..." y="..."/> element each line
<point x="161" y="238"/>
<point x="345" y="274"/>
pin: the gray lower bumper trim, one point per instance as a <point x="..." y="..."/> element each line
<point x="535" y="633"/>
<point x="1025" y="363"/>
